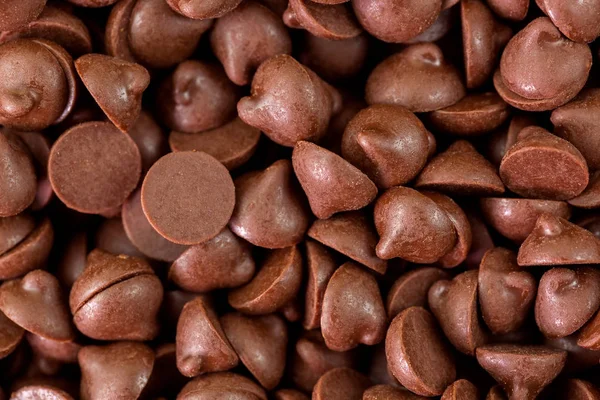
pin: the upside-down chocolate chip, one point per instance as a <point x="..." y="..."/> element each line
<point x="341" y="383"/>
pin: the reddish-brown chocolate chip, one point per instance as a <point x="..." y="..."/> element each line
<point x="36" y="304"/>
<point x="412" y="226"/>
<point x="483" y="39"/>
<point x="116" y="85"/>
<point x="201" y="343"/>
<point x="589" y="336"/>
<point x="18" y="182"/>
<point x="221" y="386"/>
<point x="341" y="383"/>
<point x="397" y="21"/>
<point x="224" y="261"/>
<point x="388" y="143"/>
<point x="442" y="25"/>
<point x="503" y="139"/>
<point x="198" y="9"/>
<point x="196" y="97"/>
<point x="11" y="335"/>
<point x="389" y="392"/>
<point x="351" y="234"/>
<point x="231" y="144"/>
<point x="590" y="197"/>
<point x="188" y="197"/>
<point x="135" y="28"/>
<point x="40" y="392"/>
<point x="541" y="165"/>
<point x="57" y="25"/>
<point x="261" y="343"/>
<point x="411" y="289"/>
<point x="578" y="123"/>
<point x="460" y="170"/>
<point x="331" y="183"/>
<point x="275" y="284"/>
<point x="506" y="293"/>
<point x="334" y="60"/>
<point x="65" y="352"/>
<point x="262" y="198"/>
<point x="417" y="353"/>
<point x="344" y="325"/>
<point x="289" y="102"/>
<point x="108" y="167"/>
<point x="514" y="10"/>
<point x="578" y="358"/>
<point x="126" y="365"/>
<point x="329" y="21"/>
<point x="566" y="300"/>
<point x="35" y="92"/>
<point x="142" y="235"/>
<point x="259" y="35"/>
<point x="32" y="253"/>
<point x="577" y="21"/>
<point x="321" y="266"/>
<point x="515" y="218"/>
<point x="556" y="241"/>
<point x="14" y="16"/>
<point x="454" y="303"/>
<point x="39" y="147"/>
<point x="290" y="394"/>
<point x="461" y="389"/>
<point x="461" y="224"/>
<point x="539" y="63"/>
<point x="474" y="115"/>
<point x="116" y="298"/>
<point x="522" y="371"/>
<point x="418" y="78"/>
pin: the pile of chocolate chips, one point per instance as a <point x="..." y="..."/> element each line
<point x="263" y="199"/>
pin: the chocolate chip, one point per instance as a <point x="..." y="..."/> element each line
<point x="506" y="293"/>
<point x="329" y="21"/>
<point x="556" y="241"/>
<point x="341" y="383"/>
<point x="344" y="325"/>
<point x="331" y="183"/>
<point x="522" y="371"/>
<point x="289" y="394"/>
<point x="201" y="342"/>
<point x="40" y="392"/>
<point x="418" y="78"/>
<point x="388" y="392"/>
<point x="578" y="22"/>
<point x="460" y="170"/>
<point x="388" y="143"/>
<point x="396" y="213"/>
<point x="260" y="343"/>
<point x="197" y="9"/>
<point x="13" y="17"/>
<point x="514" y="10"/>
<point x="417" y="353"/>
<point x="321" y="266"/>
<point x="222" y="384"/>
<point x="30" y="254"/>
<point x="523" y="168"/>
<point x="285" y="95"/>
<point x="461" y="389"/>
<point x="18" y="185"/>
<point x="12" y="334"/>
<point x="578" y="389"/>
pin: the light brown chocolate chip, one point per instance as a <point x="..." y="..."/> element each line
<point x="126" y="365"/>
<point x="276" y="283"/>
<point x="418" y="78"/>
<point x="514" y="10"/>
<point x="515" y="218"/>
<point x="197" y="9"/>
<point x="39" y="392"/>
<point x="523" y="371"/>
<point x="65" y="352"/>
<point x="499" y="142"/>
<point x="577" y="21"/>
<point x="13" y="230"/>
<point x="344" y="325"/>
<point x="389" y="392"/>
<point x="417" y="353"/>
<point x="388" y="143"/>
<point x="351" y="234"/>
<point x="556" y="241"/>
<point x="222" y="385"/>
<point x="411" y="289"/>
<point x="331" y="183"/>
<point x="589" y="198"/>
<point x="18" y="182"/>
<point x="224" y="261"/>
<point x="289" y="102"/>
<point x="260" y="343"/>
<point x="321" y="266"/>
<point x="32" y="253"/>
<point x="454" y="303"/>
<point x="341" y="383"/>
<point x="201" y="343"/>
<point x="461" y="389"/>
<point x="460" y="170"/>
<point x="35" y="303"/>
<point x="541" y="165"/>
<point x="506" y="293"/>
<point x="329" y="21"/>
<point x="262" y="197"/>
<point x="231" y="144"/>
<point x="425" y="241"/>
